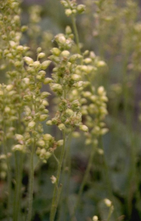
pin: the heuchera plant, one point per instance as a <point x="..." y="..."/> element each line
<point x="23" y="106"/>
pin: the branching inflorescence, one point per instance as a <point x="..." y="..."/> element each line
<point x="23" y="106"/>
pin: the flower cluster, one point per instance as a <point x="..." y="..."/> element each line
<point x="23" y="105"/>
<point x="66" y="77"/>
<point x="71" y="7"/>
<point x="94" y="109"/>
<point x="93" y="99"/>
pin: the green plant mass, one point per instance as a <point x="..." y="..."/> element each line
<point x="70" y="146"/>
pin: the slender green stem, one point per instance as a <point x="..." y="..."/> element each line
<point x="8" y="176"/>
<point x="5" y="149"/>
<point x="64" y="198"/>
<point x="107" y="180"/>
<point x="84" y="181"/>
<point x="75" y="29"/>
<point x="57" y="191"/>
<point x="19" y="166"/>
<point x="110" y="213"/>
<point x="31" y="183"/>
<point x="76" y="33"/>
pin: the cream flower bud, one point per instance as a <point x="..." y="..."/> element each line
<point x="87" y="60"/>
<point x="65" y="53"/>
<point x="18" y="147"/>
<point x="2" y="157"/>
<point x="45" y="64"/>
<point x="100" y="151"/>
<point x="20" y="48"/>
<point x="43" y="117"/>
<point x="75" y="57"/>
<point x="61" y="127"/>
<point x="36" y="64"/>
<point x="31" y="125"/>
<point x="45" y="102"/>
<point x="76" y="77"/>
<point x="13" y="44"/>
<point x="95" y="218"/>
<point x="47" y="137"/>
<point x="68" y="30"/>
<point x="107" y="202"/>
<point x="56" y="87"/>
<point x="26" y="81"/>
<point x="101" y="64"/>
<point x="83" y="128"/>
<point x="41" y="55"/>
<point x="24" y="28"/>
<point x="48" y="154"/>
<point x="101" y="90"/>
<point x="41" y="143"/>
<point x="74" y="11"/>
<point x="19" y="137"/>
<point x="39" y="77"/>
<point x="104" y="131"/>
<point x="9" y="87"/>
<point x="55" y="51"/>
<point x="68" y="12"/>
<point x="48" y="80"/>
<point x="61" y="38"/>
<point x="49" y="122"/>
<point x="87" y="94"/>
<point x="28" y="60"/>
<point x="60" y="143"/>
<point x="53" y="179"/>
<point x="16" y="18"/>
<point x="81" y="8"/>
<point x="7" y="109"/>
<point x="13" y="5"/>
<point x="69" y="112"/>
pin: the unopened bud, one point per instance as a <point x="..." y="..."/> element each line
<point x="107" y="202"/>
<point x="45" y="64"/>
<point x="65" y="53"/>
<point x="83" y="128"/>
<point x="53" y="179"/>
<point x="31" y="125"/>
<point x="55" y="51"/>
<point x="28" y="60"/>
<point x="60" y="143"/>
<point x="81" y="8"/>
<point x="68" y="12"/>
<point x="61" y="127"/>
<point x="41" y="55"/>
